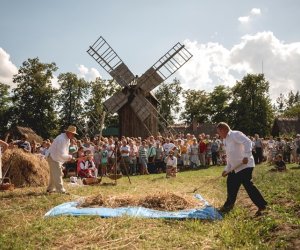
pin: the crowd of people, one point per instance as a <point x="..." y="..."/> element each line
<point x="105" y="156"/>
<point x="96" y="156"/>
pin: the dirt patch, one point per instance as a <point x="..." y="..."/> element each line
<point x="166" y="201"/>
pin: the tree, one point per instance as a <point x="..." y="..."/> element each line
<point x="71" y="99"/>
<point x="280" y="104"/>
<point x="169" y="97"/>
<point x="288" y="106"/>
<point x="5" y="108"/>
<point x="34" y="97"/>
<point x="251" y="107"/>
<point x="100" y="90"/>
<point x="196" y="106"/>
<point x="218" y="104"/>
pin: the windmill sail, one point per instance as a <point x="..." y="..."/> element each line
<point x="142" y="107"/>
<point x="114" y="103"/>
<point x="166" y="66"/>
<point x="109" y="60"/>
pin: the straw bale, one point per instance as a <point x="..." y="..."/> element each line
<point x="165" y="201"/>
<point x="25" y="169"/>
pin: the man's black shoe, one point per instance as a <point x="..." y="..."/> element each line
<point x="224" y="209"/>
<point x="260" y="211"/>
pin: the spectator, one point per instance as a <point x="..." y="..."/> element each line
<point x="202" y="151"/>
<point x="159" y="156"/>
<point x="87" y="167"/>
<point x="171" y="165"/>
<point x="258" y="146"/>
<point x="143" y="158"/>
<point x="279" y="164"/>
<point x="133" y="157"/>
<point x="194" y="154"/>
<point x="24" y="143"/>
<point x="214" y="151"/>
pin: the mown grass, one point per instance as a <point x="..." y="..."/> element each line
<point x="23" y="226"/>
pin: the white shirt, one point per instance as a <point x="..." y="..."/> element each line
<point x="238" y="146"/>
<point x="124" y="150"/>
<point x="171" y="162"/>
<point x="59" y="149"/>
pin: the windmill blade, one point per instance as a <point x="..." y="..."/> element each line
<point x="142" y="107"/>
<point x="109" y="60"/>
<point x="114" y="103"/>
<point x="166" y="66"/>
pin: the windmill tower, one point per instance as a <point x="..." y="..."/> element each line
<point x="136" y="106"/>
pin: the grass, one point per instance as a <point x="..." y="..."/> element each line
<point x="23" y="226"/>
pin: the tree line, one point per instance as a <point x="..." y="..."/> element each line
<point x="37" y="104"/>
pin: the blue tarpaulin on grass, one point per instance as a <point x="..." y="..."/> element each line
<point x="70" y="208"/>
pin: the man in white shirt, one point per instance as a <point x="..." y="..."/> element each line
<point x="238" y="150"/>
<point x="58" y="153"/>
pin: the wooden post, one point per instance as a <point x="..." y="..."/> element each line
<point x="101" y="124"/>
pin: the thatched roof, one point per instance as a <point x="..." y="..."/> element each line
<point x="16" y="133"/>
<point x="287" y="126"/>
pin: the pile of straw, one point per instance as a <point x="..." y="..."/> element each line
<point x="25" y="169"/>
<point x="165" y="201"/>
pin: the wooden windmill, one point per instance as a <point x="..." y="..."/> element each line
<point x="136" y="106"/>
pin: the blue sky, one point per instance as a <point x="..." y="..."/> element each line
<point x="227" y="38"/>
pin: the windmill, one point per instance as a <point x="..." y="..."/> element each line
<point x="135" y="104"/>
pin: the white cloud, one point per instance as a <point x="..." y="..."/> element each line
<point x="255" y="11"/>
<point x="244" y="19"/>
<point x="212" y="64"/>
<point x="7" y="68"/>
<point x="88" y="74"/>
<point x="250" y="17"/>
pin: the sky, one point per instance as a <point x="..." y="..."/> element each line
<point x="228" y="39"/>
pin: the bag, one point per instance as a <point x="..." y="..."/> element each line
<point x="298" y="151"/>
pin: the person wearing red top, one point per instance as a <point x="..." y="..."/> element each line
<point x="202" y="151"/>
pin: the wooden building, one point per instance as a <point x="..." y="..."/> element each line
<point x="286" y="126"/>
<point x="131" y="126"/>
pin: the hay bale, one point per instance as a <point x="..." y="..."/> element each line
<point x="25" y="169"/>
<point x="164" y="201"/>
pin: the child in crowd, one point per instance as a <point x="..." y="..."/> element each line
<point x="171" y="162"/>
<point x="87" y="168"/>
<point x="279" y="164"/>
<point x="104" y="159"/>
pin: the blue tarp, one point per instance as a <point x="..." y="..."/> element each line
<point x="69" y="208"/>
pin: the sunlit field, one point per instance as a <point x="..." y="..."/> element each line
<point x="23" y="225"/>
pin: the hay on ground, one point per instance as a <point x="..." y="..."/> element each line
<point x="25" y="169"/>
<point x="165" y="201"/>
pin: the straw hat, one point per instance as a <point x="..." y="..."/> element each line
<point x="71" y="129"/>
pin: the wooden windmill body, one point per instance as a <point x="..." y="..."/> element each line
<point x="135" y="104"/>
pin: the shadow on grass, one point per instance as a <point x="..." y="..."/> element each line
<point x="296" y="167"/>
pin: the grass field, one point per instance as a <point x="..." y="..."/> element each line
<point x="23" y="226"/>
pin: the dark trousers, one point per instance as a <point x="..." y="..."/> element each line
<point x="214" y="158"/>
<point x="258" y="156"/>
<point x="234" y="182"/>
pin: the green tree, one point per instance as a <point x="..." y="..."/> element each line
<point x="251" y="110"/>
<point x="169" y="97"/>
<point x="5" y="108"/>
<point x="218" y="104"/>
<point x="100" y="90"/>
<point x="71" y="99"/>
<point x="34" y="97"/>
<point x="196" y="106"/>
